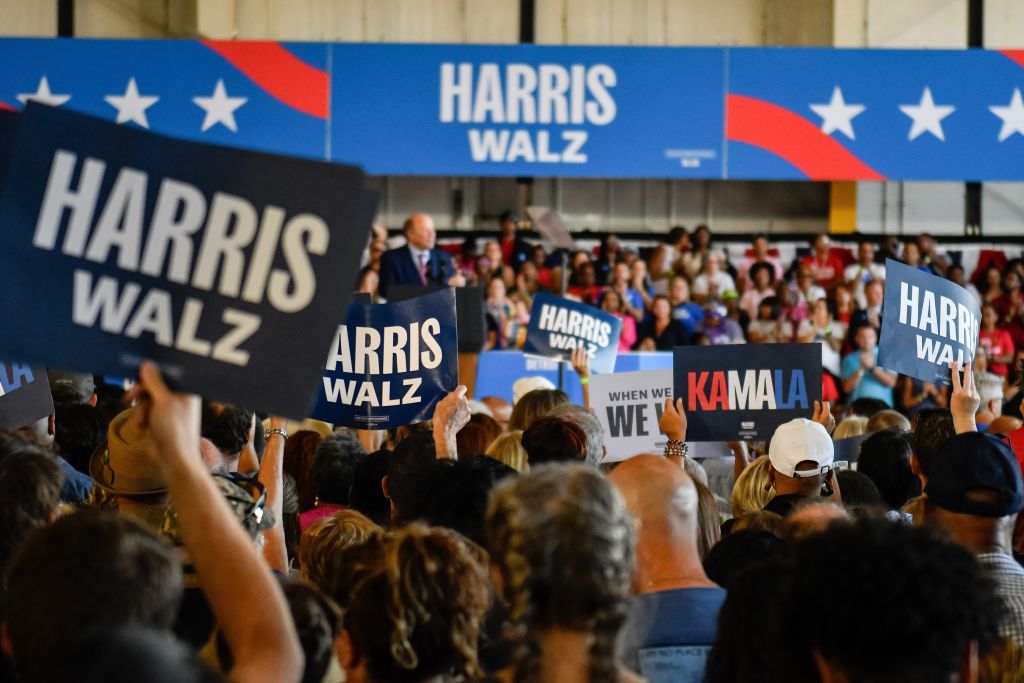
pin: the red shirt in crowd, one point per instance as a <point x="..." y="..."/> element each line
<point x="827" y="272"/>
<point x="996" y="343"/>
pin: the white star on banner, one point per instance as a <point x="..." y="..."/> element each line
<point x="837" y="114"/>
<point x="43" y="95"/>
<point x="131" y="106"/>
<point x="220" y="108"/>
<point x="927" y="116"/>
<point x="1012" y="116"/>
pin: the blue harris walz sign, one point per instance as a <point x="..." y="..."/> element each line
<point x="226" y="267"/>
<point x="928" y="322"/>
<point x="559" y="326"/>
<point x="391" y="363"/>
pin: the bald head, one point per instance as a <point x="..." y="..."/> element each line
<point x="658" y="493"/>
<point x="419" y="231"/>
<point x="500" y="409"/>
<point x="663" y="500"/>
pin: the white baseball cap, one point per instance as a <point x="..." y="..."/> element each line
<point x="797" y="441"/>
<point x="525" y="385"/>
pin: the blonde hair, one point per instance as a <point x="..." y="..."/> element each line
<point x="751" y="492"/>
<point x="321" y="543"/>
<point x="508" y="448"/>
<point x="709" y="522"/>
<point x="855" y="425"/>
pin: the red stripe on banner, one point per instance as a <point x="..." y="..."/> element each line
<point x="1015" y="55"/>
<point x="793" y="138"/>
<point x="7" y="107"/>
<point x="283" y="75"/>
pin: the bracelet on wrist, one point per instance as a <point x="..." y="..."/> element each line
<point x="276" y="430"/>
<point x="676" y="448"/>
<point x="584" y="381"/>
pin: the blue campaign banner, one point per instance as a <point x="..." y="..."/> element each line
<point x="745" y="391"/>
<point x="497" y="371"/>
<point x="529" y="110"/>
<point x="391" y="363"/>
<point x="928" y="322"/>
<point x="832" y="114"/>
<point x="24" y="395"/>
<point x="227" y="267"/>
<point x="560" y="111"/>
<point x="559" y="326"/>
<point x="236" y="93"/>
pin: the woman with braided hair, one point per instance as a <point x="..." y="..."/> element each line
<point x="414" y="610"/>
<point x="564" y="547"/>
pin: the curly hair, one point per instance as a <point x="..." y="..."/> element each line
<point x="565" y="546"/>
<point x="417" y="610"/>
<point x="227" y="426"/>
<point x="321" y="543"/>
<point x="299" y="453"/>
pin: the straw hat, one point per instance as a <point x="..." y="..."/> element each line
<point x="122" y="465"/>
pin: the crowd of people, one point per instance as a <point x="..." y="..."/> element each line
<point x="686" y="291"/>
<point x="152" y="536"/>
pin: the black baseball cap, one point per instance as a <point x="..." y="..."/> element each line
<point x="508" y="216"/>
<point x="70" y="387"/>
<point x="976" y="474"/>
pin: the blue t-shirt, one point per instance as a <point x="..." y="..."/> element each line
<point x="868" y="386"/>
<point x="689" y="314"/>
<point x="669" y="634"/>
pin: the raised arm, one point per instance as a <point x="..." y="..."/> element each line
<point x="271" y="475"/>
<point x="244" y="595"/>
<point x="450" y="415"/>
<point x="673" y="425"/>
<point x="581" y="364"/>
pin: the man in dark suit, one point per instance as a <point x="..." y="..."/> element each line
<point x="418" y="262"/>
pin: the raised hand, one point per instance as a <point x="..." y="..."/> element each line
<point x="673" y="420"/>
<point x="450" y="415"/>
<point x="172" y="420"/>
<point x="965" y="399"/>
<point x="823" y="415"/>
<point x="580" y="361"/>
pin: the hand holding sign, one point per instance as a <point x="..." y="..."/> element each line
<point x="450" y="415"/>
<point x="673" y="420"/>
<point x="823" y="416"/>
<point x="171" y="419"/>
<point x="965" y="399"/>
